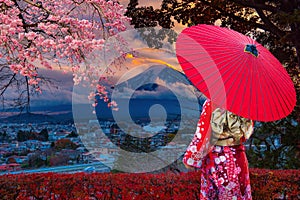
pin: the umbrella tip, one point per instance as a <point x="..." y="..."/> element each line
<point x="251" y="48"/>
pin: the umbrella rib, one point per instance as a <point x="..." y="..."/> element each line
<point x="251" y="85"/>
<point x="253" y="75"/>
<point x="283" y="95"/>
<point x="193" y="67"/>
<point x="212" y="46"/>
<point x="220" y="31"/>
<point x="269" y="85"/>
<point x="243" y="96"/>
<point x="219" y="69"/>
<point x="208" y="68"/>
<point x="243" y="37"/>
<point x="204" y="44"/>
<point x="240" y="69"/>
<point x="280" y="89"/>
<point x="231" y="61"/>
<point x="271" y="99"/>
<point x="202" y="58"/>
<point x="281" y="78"/>
<point x="276" y="70"/>
<point x="261" y="94"/>
<point x="244" y="61"/>
<point x="196" y="66"/>
<point x="282" y="103"/>
<point x="205" y="53"/>
<point x="288" y="95"/>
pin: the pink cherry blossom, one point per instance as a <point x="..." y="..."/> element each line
<point x="46" y="33"/>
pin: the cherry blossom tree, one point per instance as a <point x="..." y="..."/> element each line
<point x="37" y="34"/>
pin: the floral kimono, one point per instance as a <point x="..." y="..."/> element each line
<point x="217" y="150"/>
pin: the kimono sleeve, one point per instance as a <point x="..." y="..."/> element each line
<point x="200" y="142"/>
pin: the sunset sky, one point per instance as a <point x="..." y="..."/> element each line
<point x="61" y="91"/>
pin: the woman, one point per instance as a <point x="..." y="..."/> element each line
<point x="217" y="149"/>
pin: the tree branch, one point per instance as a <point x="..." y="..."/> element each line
<point x="28" y="95"/>
<point x="231" y="15"/>
<point x="268" y="24"/>
<point x="38" y="6"/>
<point x="4" y="88"/>
<point x="99" y="11"/>
<point x="256" y="5"/>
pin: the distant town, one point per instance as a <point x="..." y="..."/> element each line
<point x="31" y="146"/>
<point x="40" y="143"/>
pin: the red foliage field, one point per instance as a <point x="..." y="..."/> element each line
<point x="266" y="184"/>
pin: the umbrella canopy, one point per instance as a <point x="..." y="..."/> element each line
<point x="236" y="72"/>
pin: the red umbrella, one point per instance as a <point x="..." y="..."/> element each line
<point x="236" y="72"/>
